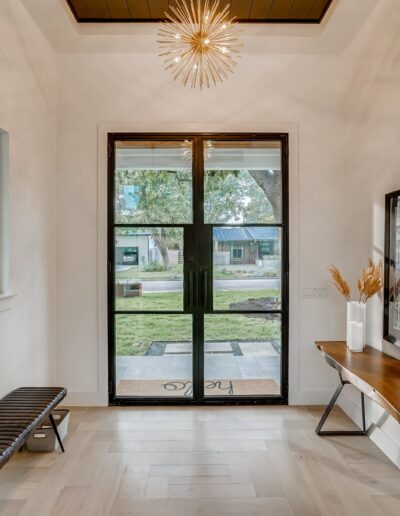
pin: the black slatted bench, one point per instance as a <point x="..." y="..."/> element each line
<point x="21" y="412"/>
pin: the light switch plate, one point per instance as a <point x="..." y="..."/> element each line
<point x="315" y="292"/>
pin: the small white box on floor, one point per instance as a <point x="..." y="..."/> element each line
<point x="44" y="438"/>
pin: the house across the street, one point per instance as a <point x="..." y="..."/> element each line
<point x="133" y="249"/>
<point x="140" y="249"/>
<point x="245" y="245"/>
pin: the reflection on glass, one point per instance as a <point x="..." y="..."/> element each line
<point x="153" y="182"/>
<point x="243" y="182"/>
<point x="153" y="355"/>
<point x="149" y="269"/>
<point x="247" y="268"/>
<point x="242" y="354"/>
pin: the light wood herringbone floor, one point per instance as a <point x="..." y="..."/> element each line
<point x="230" y="461"/>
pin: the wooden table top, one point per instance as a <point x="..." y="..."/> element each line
<point x="373" y="372"/>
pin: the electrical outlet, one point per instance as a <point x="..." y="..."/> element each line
<point x="315" y="292"/>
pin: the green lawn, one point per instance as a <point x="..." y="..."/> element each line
<point x="175" y="272"/>
<point x="134" y="333"/>
<point x="243" y="272"/>
<point x="174" y="300"/>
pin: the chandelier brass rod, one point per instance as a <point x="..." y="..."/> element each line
<point x="199" y="43"/>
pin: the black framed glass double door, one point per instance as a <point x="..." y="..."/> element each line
<point x="198" y="268"/>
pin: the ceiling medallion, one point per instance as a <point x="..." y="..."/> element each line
<point x="199" y="42"/>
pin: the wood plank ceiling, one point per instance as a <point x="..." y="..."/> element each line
<point x="264" y="11"/>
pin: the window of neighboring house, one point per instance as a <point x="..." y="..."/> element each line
<point x="4" y="150"/>
<point x="267" y="248"/>
<point x="237" y="251"/>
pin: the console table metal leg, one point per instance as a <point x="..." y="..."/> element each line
<point x="328" y="410"/>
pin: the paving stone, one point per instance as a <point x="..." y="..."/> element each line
<point x="258" y="348"/>
<point x="218" y="347"/>
<point x="178" y="348"/>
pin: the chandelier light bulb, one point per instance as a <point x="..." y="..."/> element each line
<point x="205" y="39"/>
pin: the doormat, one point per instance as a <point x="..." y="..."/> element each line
<point x="182" y="388"/>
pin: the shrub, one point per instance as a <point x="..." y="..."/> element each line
<point x="154" y="267"/>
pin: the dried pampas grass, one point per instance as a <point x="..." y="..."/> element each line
<point x="369" y="283"/>
<point x="339" y="282"/>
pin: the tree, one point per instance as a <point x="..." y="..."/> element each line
<point x="165" y="197"/>
<point x="159" y="238"/>
<point x="235" y="196"/>
<point x="270" y="183"/>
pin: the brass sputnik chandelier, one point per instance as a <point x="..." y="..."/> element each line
<point x="199" y="42"/>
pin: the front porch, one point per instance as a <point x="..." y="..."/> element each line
<point x="228" y="365"/>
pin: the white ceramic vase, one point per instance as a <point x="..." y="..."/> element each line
<point x="356" y="325"/>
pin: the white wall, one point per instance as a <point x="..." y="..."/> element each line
<point x="300" y="94"/>
<point x="28" y="87"/>
<point x="372" y="165"/>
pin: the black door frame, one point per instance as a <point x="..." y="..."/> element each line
<point x="194" y="302"/>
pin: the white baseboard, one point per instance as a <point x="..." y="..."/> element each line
<point x="98" y="399"/>
<point x="350" y="407"/>
<point x="310" y="397"/>
<point x="86" y="399"/>
<point x="375" y="432"/>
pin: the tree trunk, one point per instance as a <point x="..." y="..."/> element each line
<point x="271" y="185"/>
<point x="161" y="246"/>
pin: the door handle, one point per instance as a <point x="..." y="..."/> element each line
<point x="205" y="289"/>
<point x="191" y="290"/>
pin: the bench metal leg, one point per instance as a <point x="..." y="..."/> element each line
<point x="53" y="424"/>
<point x="330" y="406"/>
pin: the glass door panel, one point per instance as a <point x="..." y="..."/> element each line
<point x="152" y="287"/>
<point x="242" y="182"/>
<point x="153" y="182"/>
<point x="149" y="268"/>
<point x="243" y="213"/>
<point x="154" y="355"/>
<point x="247" y="263"/>
<point x="242" y="355"/>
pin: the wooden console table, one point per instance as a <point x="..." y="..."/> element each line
<point x="375" y="374"/>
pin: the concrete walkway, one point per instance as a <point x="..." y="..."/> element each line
<point x="259" y="361"/>
<point x="230" y="285"/>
